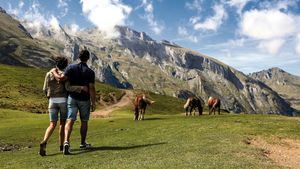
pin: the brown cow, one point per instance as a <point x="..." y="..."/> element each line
<point x="213" y="104"/>
<point x="140" y="104"/>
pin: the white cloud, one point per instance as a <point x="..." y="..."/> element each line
<point x="193" y="20"/>
<point x="272" y="46"/>
<point x="21" y="4"/>
<point x="267" y="24"/>
<point x="236" y="42"/>
<point x="106" y="14"/>
<point x="54" y="24"/>
<point x="213" y="22"/>
<point x="64" y="6"/>
<point x="62" y="3"/>
<point x="195" y="5"/>
<point x="74" y="28"/>
<point x="272" y="27"/>
<point x="278" y="5"/>
<point x="16" y="11"/>
<point x="149" y="8"/>
<point x="285" y="4"/>
<point x="36" y="22"/>
<point x="297" y="46"/>
<point x="182" y="31"/>
<point x="239" y="4"/>
<point x="149" y="17"/>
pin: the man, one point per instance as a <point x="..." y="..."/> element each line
<point x="79" y="75"/>
<point x="57" y="95"/>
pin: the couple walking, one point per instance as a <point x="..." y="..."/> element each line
<point x="69" y="92"/>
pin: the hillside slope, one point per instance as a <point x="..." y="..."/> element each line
<point x="17" y="47"/>
<point x="21" y="89"/>
<point x="286" y="84"/>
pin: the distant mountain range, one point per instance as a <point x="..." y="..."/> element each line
<point x="135" y="60"/>
<point x="284" y="83"/>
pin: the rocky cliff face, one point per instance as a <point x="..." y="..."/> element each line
<point x="286" y="84"/>
<point x="135" y="60"/>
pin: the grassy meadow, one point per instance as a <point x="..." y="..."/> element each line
<point x="165" y="139"/>
<point x="161" y="141"/>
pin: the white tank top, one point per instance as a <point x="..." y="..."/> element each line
<point x="57" y="100"/>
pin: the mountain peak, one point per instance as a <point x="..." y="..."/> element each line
<point x="132" y="34"/>
<point x="269" y="73"/>
<point x="276" y="69"/>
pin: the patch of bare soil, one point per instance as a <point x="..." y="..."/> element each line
<point x="285" y="152"/>
<point x="124" y="101"/>
<point x="12" y="147"/>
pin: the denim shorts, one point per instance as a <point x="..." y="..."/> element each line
<point x="82" y="106"/>
<point x="55" y="108"/>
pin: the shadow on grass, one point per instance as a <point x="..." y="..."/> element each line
<point x="113" y="148"/>
<point x="104" y="148"/>
<point x="153" y="118"/>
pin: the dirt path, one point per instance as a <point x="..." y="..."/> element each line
<point x="285" y="152"/>
<point x="125" y="101"/>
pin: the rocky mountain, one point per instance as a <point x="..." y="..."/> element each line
<point x="135" y="60"/>
<point x="284" y="83"/>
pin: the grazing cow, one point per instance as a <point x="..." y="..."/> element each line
<point x="140" y="104"/>
<point x="213" y="104"/>
<point x="192" y="103"/>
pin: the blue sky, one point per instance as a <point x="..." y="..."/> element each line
<point x="249" y="35"/>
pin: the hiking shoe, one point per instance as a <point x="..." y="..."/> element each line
<point x="42" y="151"/>
<point x="85" y="145"/>
<point x="61" y="148"/>
<point x="66" y="148"/>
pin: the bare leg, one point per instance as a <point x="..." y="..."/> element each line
<point x="62" y="132"/>
<point x="68" y="129"/>
<point x="83" y="131"/>
<point x="49" y="131"/>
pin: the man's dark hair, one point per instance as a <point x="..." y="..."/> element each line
<point x="61" y="62"/>
<point x="84" y="55"/>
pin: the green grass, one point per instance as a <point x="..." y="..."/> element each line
<point x="165" y="105"/>
<point x="21" y="89"/>
<point x="161" y="141"/>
